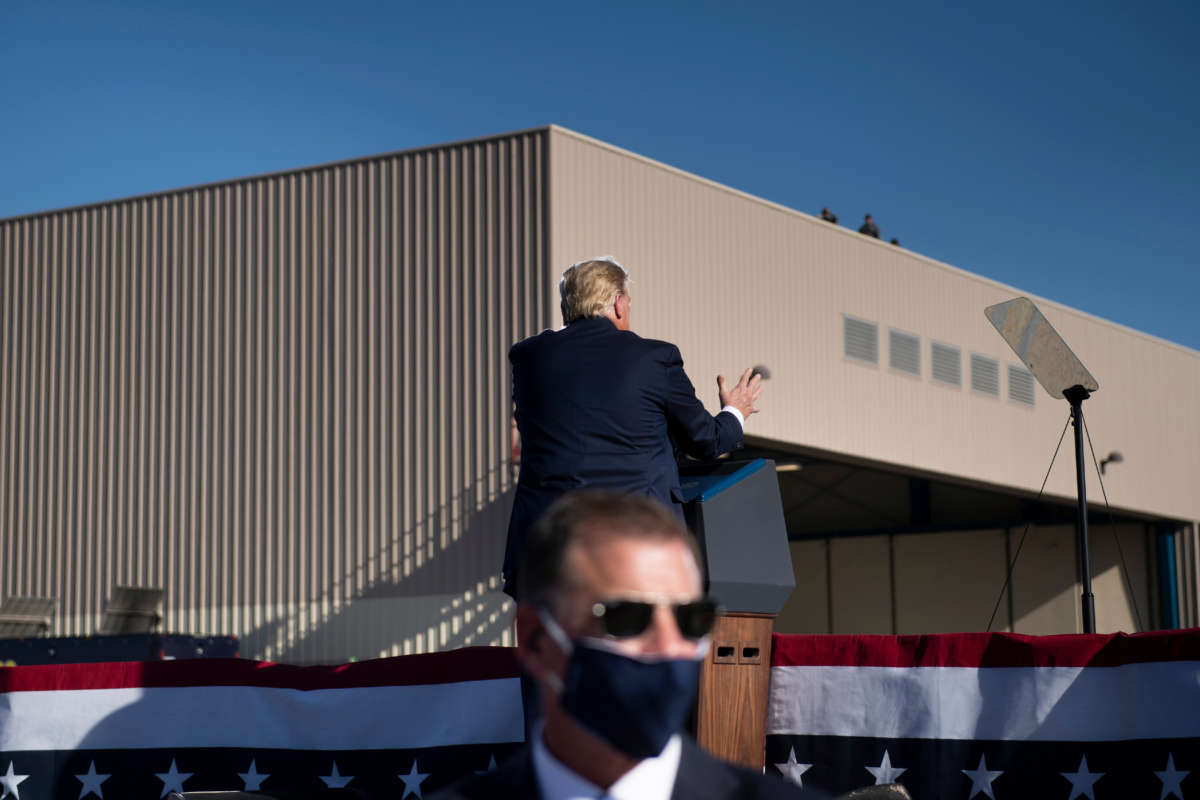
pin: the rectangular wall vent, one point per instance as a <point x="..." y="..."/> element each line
<point x="985" y="375"/>
<point x="946" y="364"/>
<point x="904" y="352"/>
<point x="862" y="340"/>
<point x="1020" y="385"/>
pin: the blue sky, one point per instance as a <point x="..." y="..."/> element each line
<point x="1055" y="149"/>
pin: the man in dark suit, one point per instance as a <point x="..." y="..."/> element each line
<point x="613" y="627"/>
<point x="598" y="406"/>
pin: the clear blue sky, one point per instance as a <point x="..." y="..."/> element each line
<point x="1057" y="150"/>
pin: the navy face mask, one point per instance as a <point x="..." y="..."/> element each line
<point x="635" y="704"/>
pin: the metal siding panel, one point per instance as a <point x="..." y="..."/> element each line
<point x="41" y="398"/>
<point x="1188" y="558"/>
<point x="24" y="468"/>
<point x="283" y="399"/>
<point x="1121" y="604"/>
<point x="947" y="582"/>
<point x="7" y="401"/>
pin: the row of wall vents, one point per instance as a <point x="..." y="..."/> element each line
<point x="861" y="341"/>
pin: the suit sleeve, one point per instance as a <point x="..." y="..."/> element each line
<point x="694" y="430"/>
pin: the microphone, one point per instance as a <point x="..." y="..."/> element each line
<point x="761" y="370"/>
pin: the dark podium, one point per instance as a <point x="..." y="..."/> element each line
<point x="735" y="511"/>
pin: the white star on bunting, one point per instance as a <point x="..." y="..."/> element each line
<point x="885" y="772"/>
<point x="10" y="781"/>
<point x="1082" y="781"/>
<point x="412" y="782"/>
<point x="1171" y="778"/>
<point x="91" y="782"/>
<point x="336" y="781"/>
<point x="981" y="778"/>
<point x="791" y="769"/>
<point x="253" y="780"/>
<point x="172" y="780"/>
<point x="491" y="767"/>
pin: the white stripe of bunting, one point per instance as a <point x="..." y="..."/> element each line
<point x="1080" y="704"/>
<point x="370" y="718"/>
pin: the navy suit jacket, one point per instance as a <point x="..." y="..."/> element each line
<point x="700" y="777"/>
<point x="598" y="407"/>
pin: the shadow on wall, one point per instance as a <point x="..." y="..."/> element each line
<point x="450" y="597"/>
<point x="949" y="582"/>
<point x="1045" y="580"/>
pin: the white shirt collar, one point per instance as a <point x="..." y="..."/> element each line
<point x="651" y="779"/>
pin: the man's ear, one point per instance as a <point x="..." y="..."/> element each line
<point x="529" y="627"/>
<point x="532" y="642"/>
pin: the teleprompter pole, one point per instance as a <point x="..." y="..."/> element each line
<point x="1075" y="396"/>
<point x="1062" y="374"/>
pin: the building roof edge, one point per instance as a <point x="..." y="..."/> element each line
<point x="877" y="243"/>
<point x="274" y="174"/>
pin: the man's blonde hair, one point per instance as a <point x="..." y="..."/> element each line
<point x="589" y="288"/>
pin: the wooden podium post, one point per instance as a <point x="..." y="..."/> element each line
<point x="731" y="714"/>
<point x="734" y="509"/>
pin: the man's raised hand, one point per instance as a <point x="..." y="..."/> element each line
<point x="743" y="395"/>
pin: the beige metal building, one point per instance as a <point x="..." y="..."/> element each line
<point x="284" y="400"/>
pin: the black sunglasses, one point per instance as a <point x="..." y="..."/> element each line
<point x="624" y="618"/>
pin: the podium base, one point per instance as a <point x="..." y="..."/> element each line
<point x="731" y="714"/>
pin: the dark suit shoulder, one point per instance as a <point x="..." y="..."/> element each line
<point x="650" y="349"/>
<point x="704" y="776"/>
<point x="657" y="345"/>
<point x="628" y="338"/>
<point x="531" y="342"/>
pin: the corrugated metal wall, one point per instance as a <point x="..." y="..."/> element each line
<point x="283" y="399"/>
<point x="1187" y="557"/>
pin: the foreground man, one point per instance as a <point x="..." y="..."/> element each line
<point x="600" y="407"/>
<point x="613" y="628"/>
